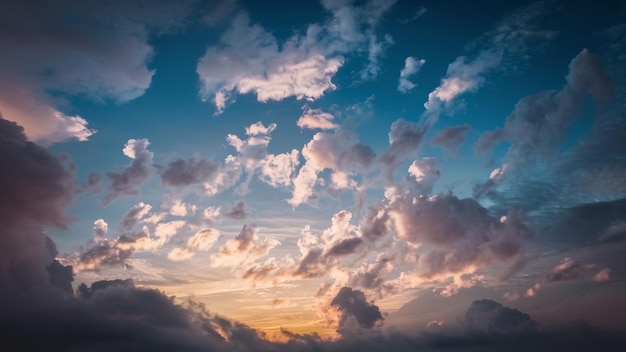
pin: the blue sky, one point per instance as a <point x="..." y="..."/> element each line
<point x="279" y="161"/>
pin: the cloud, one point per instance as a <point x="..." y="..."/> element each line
<point x="423" y="173"/>
<point x="341" y="152"/>
<point x="253" y="155"/>
<point x="125" y="181"/>
<point x="509" y="42"/>
<point x="451" y="138"/>
<point x="411" y="67"/>
<point x="238" y="212"/>
<point x="250" y="60"/>
<point x="453" y="234"/>
<point x="316" y="119"/>
<point x="539" y="122"/>
<point x="99" y="51"/>
<point x="405" y="139"/>
<point x="322" y="254"/>
<point x="353" y="303"/>
<point x="540" y="170"/>
<point x="245" y="248"/>
<point x="570" y="270"/>
<point x="100" y="229"/>
<point x="134" y="215"/>
<point x="201" y="241"/>
<point x="495" y="319"/>
<point x="185" y="172"/>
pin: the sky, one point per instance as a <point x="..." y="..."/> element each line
<point x="337" y="175"/>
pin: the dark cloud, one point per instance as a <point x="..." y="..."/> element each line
<point x="97" y="50"/>
<point x="405" y="139"/>
<point x="353" y="303"/>
<point x="185" y="172"/>
<point x="125" y="181"/>
<point x="451" y="138"/>
<point x="571" y="269"/>
<point x="370" y="278"/>
<point x="133" y="216"/>
<point x="539" y="122"/>
<point x="422" y="175"/>
<point x="238" y="212"/>
<point x="347" y="246"/>
<point x="457" y="232"/>
<point x="493" y="318"/>
<point x="36" y="188"/>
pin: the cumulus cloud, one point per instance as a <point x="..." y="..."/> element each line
<point x="201" y="241"/>
<point x="353" y="303"/>
<point x="250" y="60"/>
<point x="341" y="152"/>
<point x="453" y="234"/>
<point x="100" y="229"/>
<point x="37" y="186"/>
<point x="125" y="181"/>
<point x="423" y="173"/>
<point x="253" y="156"/>
<point x="322" y="254"/>
<point x="405" y="139"/>
<point x="495" y="319"/>
<point x="451" y="138"/>
<point x="411" y="67"/>
<point x="238" y="212"/>
<point x="316" y="119"/>
<point x="245" y="248"/>
<point x="185" y="172"/>
<point x="114" y="66"/>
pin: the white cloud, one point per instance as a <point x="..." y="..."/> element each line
<point x="49" y="53"/>
<point x="250" y="60"/>
<point x="201" y="241"/>
<point x="316" y="119"/>
<point x="411" y="67"/>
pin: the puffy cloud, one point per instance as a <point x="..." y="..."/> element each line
<point x="451" y="138"/>
<point x="316" y="119"/>
<point x="134" y="215"/>
<point x="424" y="173"/>
<point x="100" y="229"/>
<point x="245" y="248"/>
<point x="276" y="169"/>
<point x="454" y="234"/>
<point x="405" y="139"/>
<point x="411" y="67"/>
<point x="238" y="212"/>
<point x="126" y="180"/>
<point x="185" y="172"/>
<point x="201" y="241"/>
<point x="250" y="60"/>
<point x="340" y="152"/>
<point x="353" y="303"/>
<point x="112" y="67"/>
<point x="322" y="254"/>
<point x="37" y="186"/>
<point x="253" y="155"/>
<point x="495" y="319"/>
